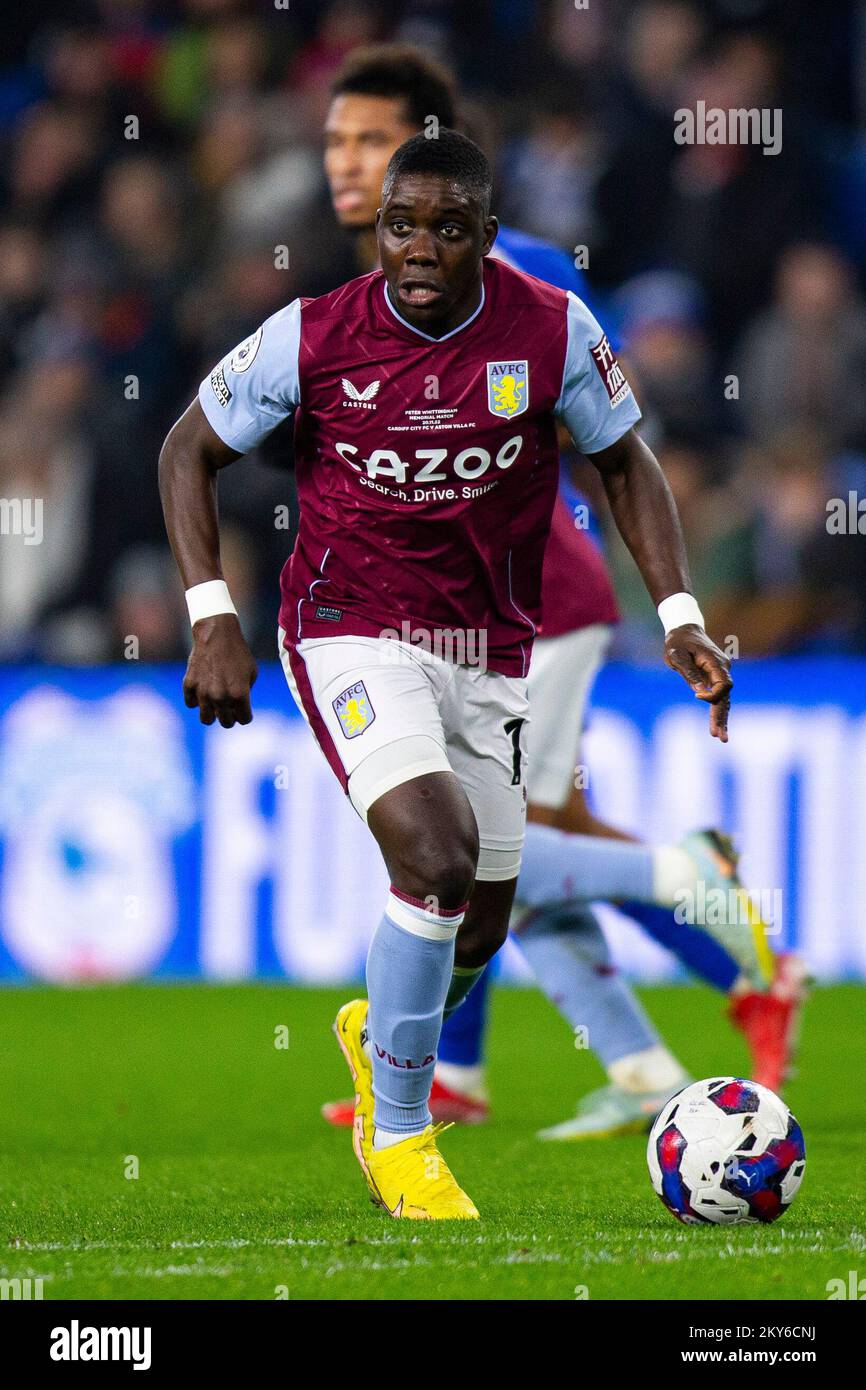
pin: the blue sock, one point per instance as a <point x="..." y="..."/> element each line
<point x="570" y="958"/>
<point x="408" y="973"/>
<point x="559" y="867"/>
<point x="704" y="956"/>
<point x="462" y="1040"/>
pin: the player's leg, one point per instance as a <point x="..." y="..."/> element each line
<point x="426" y="832"/>
<point x="574" y="849"/>
<point x="459" y="1089"/>
<point x="460" y="1079"/>
<point x="374" y="713"/>
<point x="565" y="947"/>
<point x="766" y="990"/>
<point x="570" y="958"/>
<point x="561" y="675"/>
<point x="459" y="1092"/>
<point x="485" y="716"/>
<point x="570" y="955"/>
<point x="561" y="866"/>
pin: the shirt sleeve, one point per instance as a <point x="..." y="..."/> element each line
<point x="256" y="385"/>
<point x="595" y="404"/>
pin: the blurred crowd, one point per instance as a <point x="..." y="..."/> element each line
<point x="157" y="156"/>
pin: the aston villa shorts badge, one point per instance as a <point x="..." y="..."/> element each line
<point x="354" y="710"/>
<point x="507" y="388"/>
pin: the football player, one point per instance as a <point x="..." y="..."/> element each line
<point x="426" y="497"/>
<point x="383" y="94"/>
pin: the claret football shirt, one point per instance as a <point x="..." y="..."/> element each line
<point x="426" y="468"/>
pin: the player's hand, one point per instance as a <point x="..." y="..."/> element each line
<point x="220" y="673"/>
<point x="699" y="661"/>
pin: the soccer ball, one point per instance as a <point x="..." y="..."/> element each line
<point x="726" y="1151"/>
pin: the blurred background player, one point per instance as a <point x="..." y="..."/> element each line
<point x="382" y="95"/>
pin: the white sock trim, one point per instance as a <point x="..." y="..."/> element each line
<point x="653" y="1070"/>
<point x="386" y="1138"/>
<point x="422" y="919"/>
<point x="674" y="873"/>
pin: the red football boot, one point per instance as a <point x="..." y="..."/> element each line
<point x="446" y="1106"/>
<point x="454" y="1108"/>
<point x="770" y="1021"/>
<point x="339" y="1112"/>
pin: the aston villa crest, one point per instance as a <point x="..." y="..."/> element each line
<point x="507" y="388"/>
<point x="354" y="710"/>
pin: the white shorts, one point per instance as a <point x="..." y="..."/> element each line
<point x="384" y="712"/>
<point x="560" y="678"/>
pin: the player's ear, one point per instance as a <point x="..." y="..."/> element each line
<point x="378" y="217"/>
<point x="491" y="231"/>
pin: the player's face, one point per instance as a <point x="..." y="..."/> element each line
<point x="432" y="237"/>
<point x="361" y="134"/>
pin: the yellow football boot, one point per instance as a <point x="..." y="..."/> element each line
<point x="410" y="1180"/>
<point x="413" y="1181"/>
<point x="350" y="1027"/>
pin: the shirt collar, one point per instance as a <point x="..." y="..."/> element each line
<point x="428" y="337"/>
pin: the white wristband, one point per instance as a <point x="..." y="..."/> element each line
<point x="208" y="600"/>
<point x="679" y="609"/>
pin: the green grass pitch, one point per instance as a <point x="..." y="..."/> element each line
<point x="243" y="1192"/>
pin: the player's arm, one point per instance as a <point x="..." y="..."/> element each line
<point x="598" y="409"/>
<point x="221" y="670"/>
<point x="647" y="519"/>
<point x="239" y="404"/>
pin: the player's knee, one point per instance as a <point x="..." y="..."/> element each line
<point x="445" y="868"/>
<point x="437" y="862"/>
<point x="429" y="837"/>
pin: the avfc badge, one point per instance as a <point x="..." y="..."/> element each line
<point x="354" y="710"/>
<point x="507" y="388"/>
